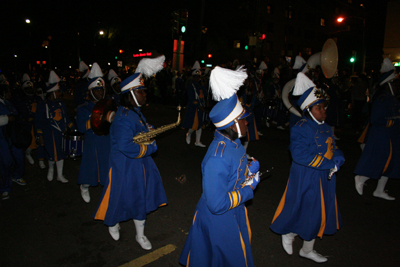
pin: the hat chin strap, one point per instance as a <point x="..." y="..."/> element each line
<point x="134" y="98"/>
<point x="319" y="122"/>
<point x="54" y="94"/>
<point x="97" y="100"/>
<point x="391" y="89"/>
<point x="238" y="129"/>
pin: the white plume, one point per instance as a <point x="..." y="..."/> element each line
<point x="299" y="62"/>
<point x="225" y="82"/>
<point x="387" y="65"/>
<point x="83" y="66"/>
<point x="25" y="77"/>
<point x="302" y="84"/>
<point x="150" y="66"/>
<point x="263" y="66"/>
<point x="196" y="66"/>
<point x="95" y="71"/>
<point x="53" y="77"/>
<point x="111" y="74"/>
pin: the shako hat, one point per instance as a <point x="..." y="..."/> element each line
<point x="95" y="78"/>
<point x="224" y="84"/>
<point x="196" y="68"/>
<point x="113" y="77"/>
<point x="310" y="94"/>
<point x="52" y="84"/>
<point x="300" y="64"/>
<point x="83" y="67"/>
<point x="388" y="71"/>
<point x="26" y="81"/>
<point x="145" y="69"/>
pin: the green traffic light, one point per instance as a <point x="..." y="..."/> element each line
<point x="116" y="57"/>
<point x="352" y="59"/>
<point x="202" y="62"/>
<point x="183" y="29"/>
<point x="246" y="47"/>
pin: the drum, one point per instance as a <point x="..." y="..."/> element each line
<point x="72" y="144"/>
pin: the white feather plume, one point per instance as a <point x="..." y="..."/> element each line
<point x="150" y="66"/>
<point x="196" y="66"/>
<point x="53" y="77"/>
<point x="25" y="77"/>
<point x="111" y="74"/>
<point x="83" y="66"/>
<point x="225" y="82"/>
<point x="263" y="66"/>
<point x="302" y="84"/>
<point x="95" y="71"/>
<point x="299" y="62"/>
<point x="387" y="65"/>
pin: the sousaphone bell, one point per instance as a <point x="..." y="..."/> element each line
<point x="327" y="59"/>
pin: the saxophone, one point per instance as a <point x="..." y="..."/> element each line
<point x="145" y="138"/>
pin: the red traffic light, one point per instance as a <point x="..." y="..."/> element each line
<point x="121" y="51"/>
<point x="339" y="19"/>
<point x="209" y="56"/>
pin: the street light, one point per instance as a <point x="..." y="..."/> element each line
<point x="341" y="19"/>
<point x="101" y="32"/>
<point x="27" y="21"/>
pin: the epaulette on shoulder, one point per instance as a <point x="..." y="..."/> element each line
<point x="300" y="122"/>
<point x="219" y="151"/>
<point x="124" y="111"/>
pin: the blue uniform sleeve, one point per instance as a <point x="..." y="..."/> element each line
<point x="220" y="198"/>
<point x="304" y="152"/>
<point x="83" y="119"/>
<point x="124" y="138"/>
<point x="381" y="110"/>
<point x="68" y="122"/>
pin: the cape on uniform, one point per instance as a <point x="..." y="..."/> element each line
<point x="308" y="206"/>
<point x="134" y="187"/>
<point x="220" y="234"/>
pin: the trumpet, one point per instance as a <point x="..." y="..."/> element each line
<point x="146" y="138"/>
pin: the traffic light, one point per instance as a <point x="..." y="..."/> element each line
<point x="175" y="22"/>
<point x="352" y="59"/>
<point x="209" y="56"/>
<point x="246" y="47"/>
<point x="183" y="19"/>
<point x="120" y="51"/>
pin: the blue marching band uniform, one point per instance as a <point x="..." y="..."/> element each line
<point x="96" y="148"/>
<point x="380" y="159"/>
<point x="12" y="161"/>
<point x="220" y="233"/>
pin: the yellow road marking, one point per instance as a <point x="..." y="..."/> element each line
<point x="153" y="256"/>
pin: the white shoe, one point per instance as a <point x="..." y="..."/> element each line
<point x="188" y="137"/>
<point x="85" y="193"/>
<point x="199" y="144"/>
<point x="359" y="185"/>
<point x="50" y="175"/>
<point x="62" y="179"/>
<point x="287" y="244"/>
<point x="313" y="255"/>
<point x="41" y="164"/>
<point x="114" y="231"/>
<point x="362" y="147"/>
<point x="383" y="195"/>
<point x="144" y="242"/>
<point x="260" y="134"/>
<point x="29" y="158"/>
<point x="267" y="123"/>
<point x="280" y="128"/>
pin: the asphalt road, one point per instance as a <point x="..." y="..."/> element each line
<point x="48" y="224"/>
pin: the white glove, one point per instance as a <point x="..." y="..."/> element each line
<point x="332" y="171"/>
<point x="253" y="180"/>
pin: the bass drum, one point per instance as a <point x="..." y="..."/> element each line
<point x="72" y="144"/>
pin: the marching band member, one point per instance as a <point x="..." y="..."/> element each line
<point x="12" y="162"/>
<point x="380" y="157"/>
<point x="134" y="187"/>
<point x="308" y="207"/>
<point x="195" y="107"/>
<point x="81" y="88"/>
<point x="96" y="149"/>
<point x="51" y="121"/>
<point x="220" y="234"/>
<point x="115" y="84"/>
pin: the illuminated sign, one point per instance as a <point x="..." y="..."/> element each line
<point x="142" y="54"/>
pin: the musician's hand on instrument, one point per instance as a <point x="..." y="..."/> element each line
<point x="253" y="180"/>
<point x="150" y="127"/>
<point x="254" y="166"/>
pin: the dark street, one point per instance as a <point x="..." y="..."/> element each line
<point x="48" y="224"/>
